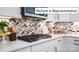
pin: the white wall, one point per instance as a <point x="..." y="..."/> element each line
<point x="66" y="17"/>
<point x="10" y="11"/>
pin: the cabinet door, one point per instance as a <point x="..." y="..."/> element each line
<point x="10" y="11"/>
<point x="46" y="50"/>
<point x="67" y="43"/>
<point x="43" y="46"/>
<point x="52" y="49"/>
<point x="49" y="49"/>
<point x="52" y="17"/>
<point x="74" y="17"/>
<point x="71" y="44"/>
<point x="73" y="49"/>
<point x="76" y="47"/>
<point x="71" y="17"/>
<point x="60" y="45"/>
<point x="24" y="50"/>
<point x="59" y="48"/>
<point x="65" y="17"/>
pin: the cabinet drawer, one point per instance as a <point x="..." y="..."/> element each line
<point x="24" y="50"/>
<point x="69" y="37"/>
<point x="75" y="45"/>
<point x="74" y="41"/>
<point x="43" y="46"/>
<point x="71" y="40"/>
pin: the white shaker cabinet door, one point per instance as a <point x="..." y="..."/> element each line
<point x="65" y="17"/>
<point x="71" y="44"/>
<point x="67" y="42"/>
<point x="52" y="49"/>
<point x="10" y="11"/>
<point x="74" y="17"/>
<point x="52" y="17"/>
<point x="60" y="44"/>
<point x="41" y="47"/>
<point x="49" y="49"/>
<point x="73" y="49"/>
<point x="45" y="46"/>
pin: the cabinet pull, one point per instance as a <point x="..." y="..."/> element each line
<point x="76" y="40"/>
<point x="76" y="44"/>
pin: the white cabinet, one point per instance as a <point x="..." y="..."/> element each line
<point x="10" y="11"/>
<point x="52" y="17"/>
<point x="55" y="45"/>
<point x="45" y="46"/>
<point x="71" y="44"/>
<point x="59" y="44"/>
<point x="65" y="17"/>
<point x="49" y="49"/>
<point x="69" y="17"/>
<point x="28" y="49"/>
<point x="74" y="17"/>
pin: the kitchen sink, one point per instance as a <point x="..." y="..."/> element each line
<point x="32" y="38"/>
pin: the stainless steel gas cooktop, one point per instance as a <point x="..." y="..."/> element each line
<point x="32" y="38"/>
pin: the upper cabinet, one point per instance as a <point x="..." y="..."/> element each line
<point x="65" y="17"/>
<point x="60" y="17"/>
<point x="74" y="17"/>
<point x="30" y="11"/>
<point x="52" y="17"/>
<point x="69" y="17"/>
<point x="10" y="11"/>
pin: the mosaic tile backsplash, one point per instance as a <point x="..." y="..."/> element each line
<point x="28" y="26"/>
<point x="31" y="26"/>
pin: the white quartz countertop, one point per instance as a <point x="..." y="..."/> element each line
<point x="19" y="44"/>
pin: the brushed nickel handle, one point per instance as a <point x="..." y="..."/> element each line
<point x="76" y="44"/>
<point x="76" y="40"/>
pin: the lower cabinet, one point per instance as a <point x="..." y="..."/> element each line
<point x="71" y="44"/>
<point x="59" y="45"/>
<point x="28" y="49"/>
<point x="54" y="45"/>
<point x="73" y="49"/>
<point x="62" y="44"/>
<point x="44" y="47"/>
<point x="49" y="49"/>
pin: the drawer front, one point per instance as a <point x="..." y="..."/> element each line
<point x="74" y="41"/>
<point x="71" y="38"/>
<point x="24" y="50"/>
<point x="75" y="44"/>
<point x="43" y="46"/>
<point x="70" y="41"/>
